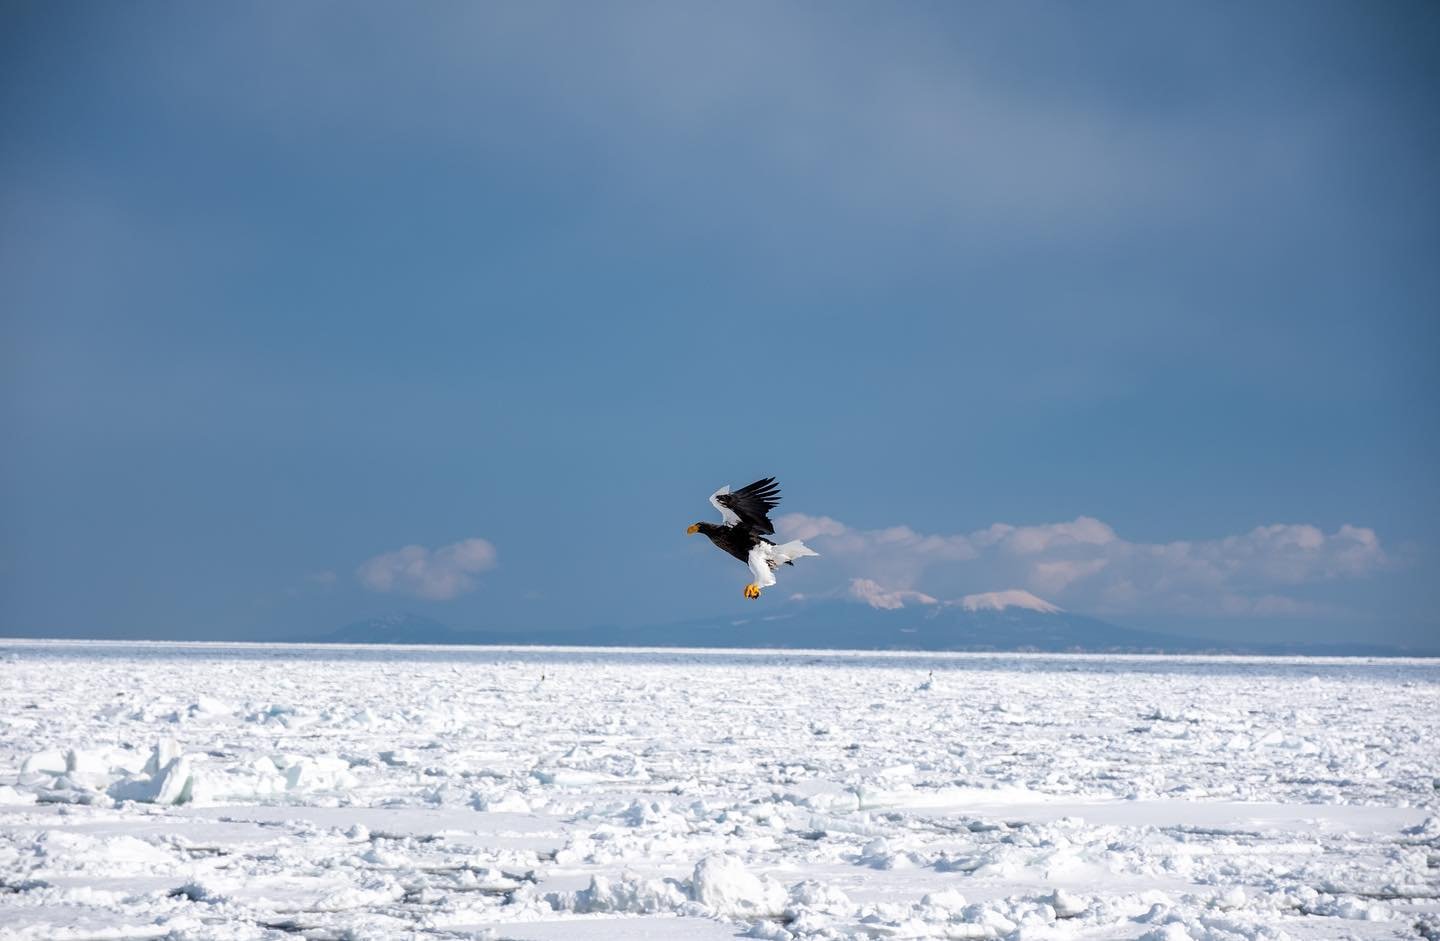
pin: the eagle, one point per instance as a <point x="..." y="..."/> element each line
<point x="745" y="522"/>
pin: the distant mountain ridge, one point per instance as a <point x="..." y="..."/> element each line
<point x="985" y="624"/>
<point x="395" y="629"/>
<point x="1001" y="621"/>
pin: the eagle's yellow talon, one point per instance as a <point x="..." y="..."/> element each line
<point x="752" y="590"/>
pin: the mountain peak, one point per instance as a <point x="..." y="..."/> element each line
<point x="1011" y="598"/>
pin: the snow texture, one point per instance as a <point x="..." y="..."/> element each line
<point x="245" y="792"/>
<point x="1013" y="598"/>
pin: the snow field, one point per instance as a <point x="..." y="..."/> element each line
<point x="271" y="792"/>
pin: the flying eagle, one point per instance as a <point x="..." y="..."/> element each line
<point x="745" y="522"/>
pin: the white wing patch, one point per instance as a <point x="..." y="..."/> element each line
<point x="762" y="564"/>
<point x="727" y="515"/>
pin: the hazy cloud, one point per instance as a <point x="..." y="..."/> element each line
<point x="1030" y="540"/>
<point x="1054" y="577"/>
<point x="916" y="126"/>
<point x="1086" y="565"/>
<point x="435" y="575"/>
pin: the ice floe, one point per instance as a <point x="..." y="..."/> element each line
<point x="268" y="792"/>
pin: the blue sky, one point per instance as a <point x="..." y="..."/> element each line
<point x="1133" y="306"/>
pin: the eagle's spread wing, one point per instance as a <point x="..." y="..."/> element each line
<point x="751" y="505"/>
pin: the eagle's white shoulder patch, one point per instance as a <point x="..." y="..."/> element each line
<point x="727" y="515"/>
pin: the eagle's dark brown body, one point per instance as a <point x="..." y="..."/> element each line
<point x="737" y="540"/>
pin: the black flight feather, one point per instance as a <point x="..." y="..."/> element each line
<point x="753" y="503"/>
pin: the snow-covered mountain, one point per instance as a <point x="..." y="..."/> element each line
<point x="1010" y="598"/>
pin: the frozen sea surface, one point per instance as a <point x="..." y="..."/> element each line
<point x="234" y="791"/>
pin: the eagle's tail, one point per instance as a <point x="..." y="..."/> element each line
<point x="791" y="551"/>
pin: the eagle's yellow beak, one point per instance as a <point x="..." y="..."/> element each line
<point x="694" y="528"/>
